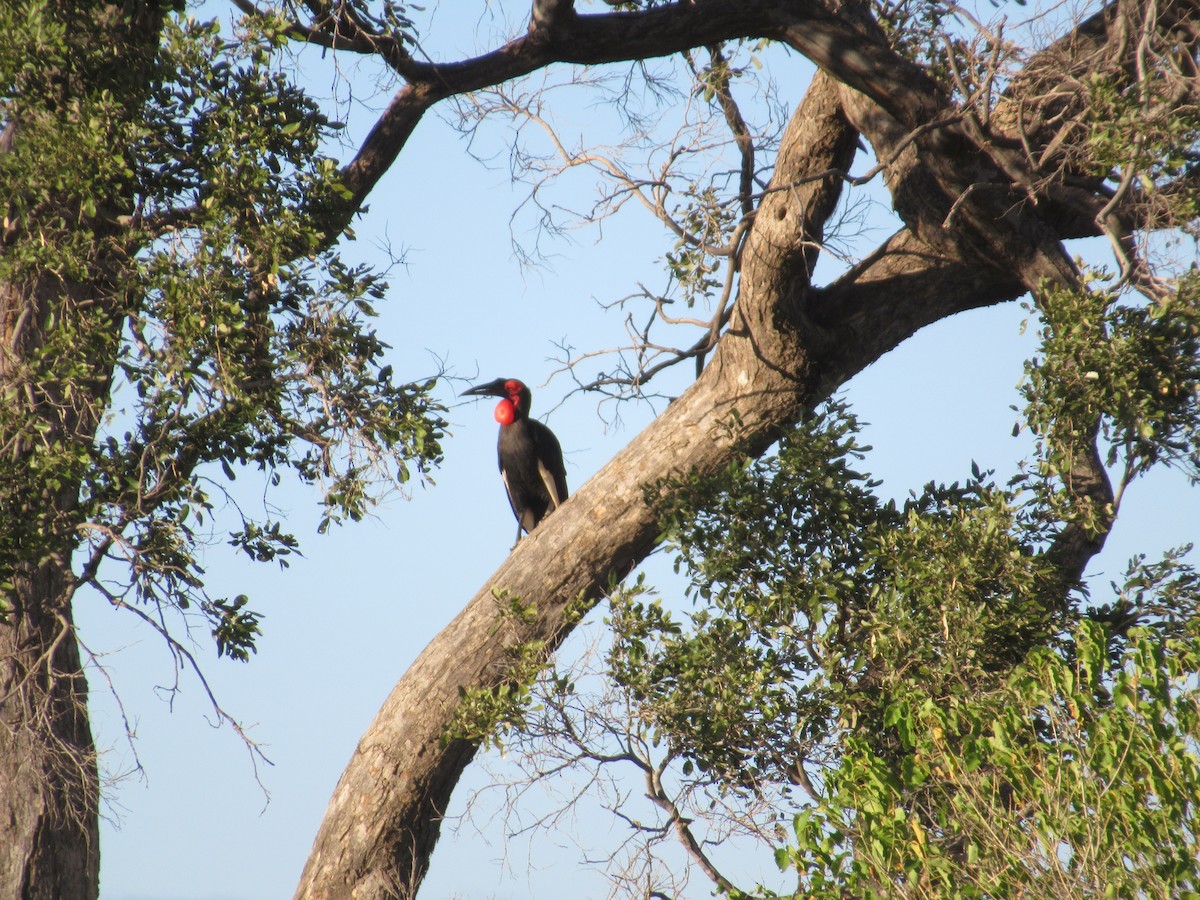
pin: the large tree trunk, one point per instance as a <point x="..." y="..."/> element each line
<point x="49" y="783"/>
<point x="787" y="348"/>
<point x="775" y="360"/>
<point x="54" y="395"/>
<point x="49" y="786"/>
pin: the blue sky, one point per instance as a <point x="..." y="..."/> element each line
<point x="344" y="621"/>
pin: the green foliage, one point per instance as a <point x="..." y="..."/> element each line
<point x="1125" y="137"/>
<point x="916" y="29"/>
<point x="818" y="600"/>
<point x="1074" y="777"/>
<point x="1137" y="368"/>
<point x="964" y="720"/>
<point x="487" y="715"/>
<point x="186" y="313"/>
<point x="236" y="627"/>
<point x="707" y="221"/>
<point x="1143" y="132"/>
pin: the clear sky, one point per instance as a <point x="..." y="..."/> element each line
<point x="345" y="620"/>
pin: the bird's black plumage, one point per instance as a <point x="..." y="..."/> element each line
<point x="530" y="457"/>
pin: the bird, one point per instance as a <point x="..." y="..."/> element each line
<point x="531" y="460"/>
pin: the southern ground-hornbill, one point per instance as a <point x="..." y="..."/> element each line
<point x="531" y="461"/>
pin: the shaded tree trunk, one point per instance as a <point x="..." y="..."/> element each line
<point x="49" y="782"/>
<point x="49" y="786"/>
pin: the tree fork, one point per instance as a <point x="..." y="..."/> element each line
<point x="788" y="347"/>
<point x="776" y="359"/>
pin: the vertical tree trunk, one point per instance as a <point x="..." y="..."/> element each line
<point x="49" y="785"/>
<point x="52" y="397"/>
<point x="49" y="782"/>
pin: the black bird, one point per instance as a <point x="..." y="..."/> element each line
<point x="531" y="461"/>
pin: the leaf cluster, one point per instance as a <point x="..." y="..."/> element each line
<point x="1077" y="776"/>
<point x="192" y="321"/>
<point x="706" y="221"/>
<point x="917" y="29"/>
<point x="816" y="599"/>
<point x="1143" y="126"/>
<point x="964" y="720"/>
<point x="1136" y="368"/>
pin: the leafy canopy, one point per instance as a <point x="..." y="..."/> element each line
<point x="226" y="335"/>
<point x="942" y="713"/>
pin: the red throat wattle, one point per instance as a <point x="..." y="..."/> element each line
<point x="505" y="412"/>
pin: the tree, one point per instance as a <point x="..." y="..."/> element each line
<point x="895" y="699"/>
<point x="169" y="310"/>
<point x="123" y="376"/>
<point x="992" y="160"/>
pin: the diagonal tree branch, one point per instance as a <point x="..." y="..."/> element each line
<point x="385" y="814"/>
<point x="868" y="65"/>
<point x="972" y="239"/>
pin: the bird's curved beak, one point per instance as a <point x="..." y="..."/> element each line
<point x="491" y="389"/>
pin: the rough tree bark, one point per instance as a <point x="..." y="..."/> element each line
<point x="49" y="784"/>
<point x="49" y="833"/>
<point x="975" y="235"/>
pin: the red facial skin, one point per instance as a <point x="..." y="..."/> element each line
<point x="506" y="410"/>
